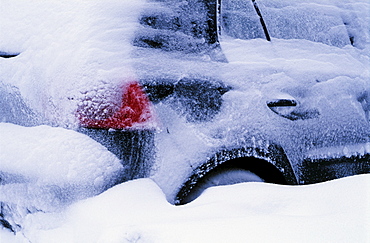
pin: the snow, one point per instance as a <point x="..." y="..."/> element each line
<point x="82" y="54"/>
<point x="137" y="211"/>
<point x="45" y="168"/>
<point x="75" y="54"/>
<point x="53" y="159"/>
<point x="70" y="50"/>
<point x="85" y="157"/>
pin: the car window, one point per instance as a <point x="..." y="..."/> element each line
<point x="185" y="26"/>
<point x="240" y="20"/>
<point x="285" y="20"/>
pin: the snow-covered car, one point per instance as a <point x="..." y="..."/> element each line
<point x="197" y="93"/>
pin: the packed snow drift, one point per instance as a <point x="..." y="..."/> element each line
<point x="44" y="169"/>
<point x="137" y="211"/>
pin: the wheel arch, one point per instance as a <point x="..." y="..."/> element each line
<point x="271" y="164"/>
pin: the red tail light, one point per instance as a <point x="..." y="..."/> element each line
<point x="135" y="111"/>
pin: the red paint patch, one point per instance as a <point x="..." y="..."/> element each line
<point x="134" y="111"/>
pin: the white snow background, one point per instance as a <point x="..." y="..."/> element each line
<point x="53" y="160"/>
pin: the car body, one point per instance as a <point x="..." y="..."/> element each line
<point x="189" y="91"/>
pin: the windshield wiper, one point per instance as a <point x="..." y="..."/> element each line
<point x="261" y="20"/>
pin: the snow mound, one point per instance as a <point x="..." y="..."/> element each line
<point x="42" y="168"/>
<point x="137" y="211"/>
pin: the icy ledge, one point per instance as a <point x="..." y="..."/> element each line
<point x="359" y="149"/>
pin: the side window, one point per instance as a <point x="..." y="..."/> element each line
<point x="240" y="20"/>
<point x="304" y="20"/>
<point x="333" y="24"/>
<point x="187" y="26"/>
